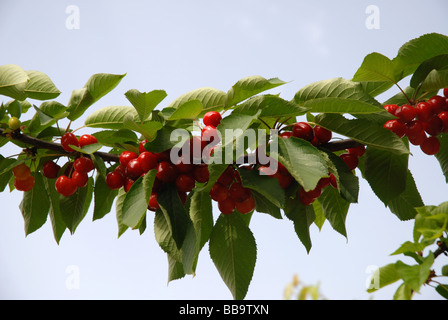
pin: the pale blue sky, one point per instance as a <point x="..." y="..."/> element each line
<point x="179" y="46"/>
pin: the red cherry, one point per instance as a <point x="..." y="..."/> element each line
<point x="396" y="126"/>
<point x="303" y="130"/>
<point x="115" y="180"/>
<point x="134" y="169"/>
<point x="182" y="196"/>
<point x="406" y="113"/>
<point x="430" y="145"/>
<point x="148" y="160"/>
<point x="284" y="179"/>
<point x="358" y="151"/>
<point x="153" y="204"/>
<point x="126" y="156"/>
<point x="227" y="177"/>
<point x="414" y="128"/>
<point x="69" y="139"/>
<point x="128" y="184"/>
<point x="286" y="134"/>
<point x="219" y="192"/>
<point x="418" y="138"/>
<point x="227" y="206"/>
<point x="323" y="135"/>
<point x="83" y="165"/>
<point x="445" y="92"/>
<point x="166" y="172"/>
<point x="306" y="198"/>
<point x="24" y="184"/>
<point x="50" y="170"/>
<point x="80" y="179"/>
<point x="433" y="126"/>
<point x="87" y="139"/>
<point x="183" y="166"/>
<point x="212" y="118"/>
<point x="163" y="156"/>
<point x="65" y="186"/>
<point x="141" y="146"/>
<point x="246" y="206"/>
<point x="201" y="173"/>
<point x="391" y="108"/>
<point x="21" y="171"/>
<point x="238" y="192"/>
<point x="351" y="160"/>
<point x="209" y="134"/>
<point x="444" y="117"/>
<point x="324" y="182"/>
<point x="185" y="182"/>
<point x="333" y="181"/>
<point x="424" y="111"/>
<point x="438" y="104"/>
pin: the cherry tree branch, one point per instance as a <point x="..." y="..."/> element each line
<point x="43" y="144"/>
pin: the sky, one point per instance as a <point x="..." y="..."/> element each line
<point x="179" y="46"/>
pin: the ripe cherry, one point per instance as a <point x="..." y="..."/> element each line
<point x="50" y="169"/>
<point x="286" y="134"/>
<point x="433" y="126"/>
<point x="128" y="184"/>
<point x="201" y="173"/>
<point x="153" y="204"/>
<point x="227" y="206"/>
<point x="141" y="146"/>
<point x="126" y="156"/>
<point x="65" y="186"/>
<point x="424" y="111"/>
<point x="148" y="160"/>
<point x="438" y="104"/>
<point x="83" y="165"/>
<point x="430" y="145"/>
<point x="323" y="135"/>
<point x="406" y="113"/>
<point x="351" y="160"/>
<point x="166" y="172"/>
<point x="418" y="138"/>
<point x="246" y="206"/>
<point x="219" y="192"/>
<point x="69" y="139"/>
<point x="227" y="177"/>
<point x="134" y="169"/>
<point x="396" y="126"/>
<point x="306" y="198"/>
<point x="445" y="92"/>
<point x="209" y="134"/>
<point x="185" y="182"/>
<point x="87" y="139"/>
<point x="444" y="117"/>
<point x="303" y="130"/>
<point x="114" y="180"/>
<point x="358" y="151"/>
<point x="80" y="179"/>
<point x="414" y="128"/>
<point x="21" y="171"/>
<point x="24" y="184"/>
<point x="391" y="108"/>
<point x="238" y="192"/>
<point x="212" y="118"/>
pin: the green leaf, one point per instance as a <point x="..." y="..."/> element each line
<point x="363" y="131"/>
<point x="167" y="137"/>
<point x="96" y="87"/>
<point x="111" y="117"/>
<point x="188" y="110"/>
<point x="55" y="213"/>
<point x="271" y="105"/>
<point x="135" y="204"/>
<point x="234" y="125"/>
<point x="174" y="212"/>
<point x="335" y="209"/>
<point x="119" y="211"/>
<point x="442" y="289"/>
<point x="421" y="73"/>
<point x="442" y="155"/>
<point x="340" y="105"/>
<point x="383" y="277"/>
<point x="416" y="275"/>
<point x="13" y="81"/>
<point x="148" y="129"/>
<point x="234" y="252"/>
<point x="212" y="99"/>
<point x="40" y="86"/>
<point x="376" y="68"/>
<point x="302" y="217"/>
<point x="6" y="165"/>
<point x="416" y="51"/>
<point x="145" y="102"/>
<point x="386" y="173"/>
<point x="404" y="205"/>
<point x="248" y="87"/>
<point x="74" y="208"/>
<point x="403" y="292"/>
<point x="262" y="204"/>
<point x="305" y="163"/>
<point x="409" y="246"/>
<point x="266" y="186"/>
<point x="201" y="214"/>
<point x="335" y="88"/>
<point x="35" y="205"/>
<point x="103" y="197"/>
<point x="88" y="149"/>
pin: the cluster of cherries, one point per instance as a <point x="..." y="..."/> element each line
<point x="23" y="179"/>
<point x="421" y="123"/>
<point x="316" y="135"/>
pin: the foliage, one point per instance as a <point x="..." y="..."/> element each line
<point x="346" y="107"/>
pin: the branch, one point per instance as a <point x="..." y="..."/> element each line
<point x="42" y="144"/>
